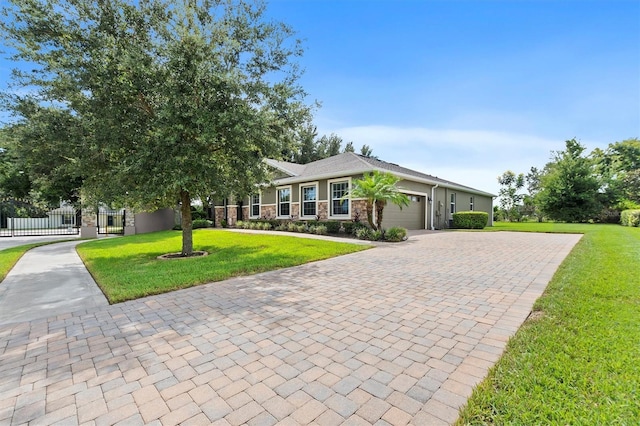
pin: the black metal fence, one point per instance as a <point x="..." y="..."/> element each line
<point x="20" y="218"/>
<point x="111" y="221"/>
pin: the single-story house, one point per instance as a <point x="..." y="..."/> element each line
<point x="316" y="190"/>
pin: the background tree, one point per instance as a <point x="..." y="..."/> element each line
<point x="169" y="100"/>
<point x="569" y="186"/>
<point x="529" y="203"/>
<point x="618" y="167"/>
<point x="378" y="189"/>
<point x="509" y="193"/>
<point x="366" y="151"/>
<point x="349" y="147"/>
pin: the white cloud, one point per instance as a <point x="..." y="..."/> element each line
<point x="470" y="157"/>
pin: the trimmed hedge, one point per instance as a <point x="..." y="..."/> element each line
<point x="470" y="220"/>
<point x="630" y="218"/>
<point x="201" y="223"/>
<point x="350" y="228"/>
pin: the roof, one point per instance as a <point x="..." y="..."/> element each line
<point x="350" y="163"/>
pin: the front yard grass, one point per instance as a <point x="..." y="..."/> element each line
<point x="126" y="268"/>
<point x="578" y="361"/>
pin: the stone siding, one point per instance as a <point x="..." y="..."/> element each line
<point x="268" y="212"/>
<point x="359" y="210"/>
<point x="219" y="215"/>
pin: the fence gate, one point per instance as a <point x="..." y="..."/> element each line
<point x="111" y="221"/>
<point x="20" y="218"/>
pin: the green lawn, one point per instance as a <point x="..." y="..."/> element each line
<point x="578" y="362"/>
<point x="126" y="267"/>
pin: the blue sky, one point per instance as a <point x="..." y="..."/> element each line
<point x="468" y="89"/>
<point x="465" y="90"/>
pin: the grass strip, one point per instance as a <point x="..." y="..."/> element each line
<point x="576" y="360"/>
<point x="126" y="268"/>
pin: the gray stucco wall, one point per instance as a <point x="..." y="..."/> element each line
<point x="160" y="220"/>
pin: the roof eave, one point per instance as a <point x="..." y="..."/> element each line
<point x="334" y="175"/>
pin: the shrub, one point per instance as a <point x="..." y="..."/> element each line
<point x="201" y="223"/>
<point x="292" y="227"/>
<point x="281" y="227"/>
<point x="470" y="220"/>
<point x="376" y="235"/>
<point x="266" y="226"/>
<point x="198" y="213"/>
<point x="224" y="223"/>
<point x="311" y="229"/>
<point x="630" y="218"/>
<point x="395" y="234"/>
<point x="333" y="226"/>
<point x="240" y="224"/>
<point x="351" y="227"/>
<point x="320" y="230"/>
<point x="363" y="233"/>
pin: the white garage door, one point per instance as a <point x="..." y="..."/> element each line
<point x="410" y="217"/>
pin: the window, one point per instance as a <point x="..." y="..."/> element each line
<point x="255" y="205"/>
<point x="339" y="206"/>
<point x="471" y="203"/>
<point x="284" y="202"/>
<point x="309" y="198"/>
<point x="67" y="219"/>
<point x="453" y="203"/>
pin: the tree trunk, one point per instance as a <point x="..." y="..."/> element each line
<point x="370" y="215"/>
<point x="379" y="209"/>
<point x="187" y="224"/>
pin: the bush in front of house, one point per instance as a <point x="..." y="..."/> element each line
<point x="395" y="234"/>
<point x="201" y="223"/>
<point x="366" y="233"/>
<point x="320" y="230"/>
<point x="470" y="220"/>
<point x="350" y="228"/>
<point x="630" y="218"/>
<point x="333" y="226"/>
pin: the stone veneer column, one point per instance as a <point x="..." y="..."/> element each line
<point x="129" y="222"/>
<point x="89" y="227"/>
<point x="218" y="212"/>
<point x="232" y="215"/>
<point x="359" y="208"/>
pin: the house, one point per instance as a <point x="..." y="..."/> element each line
<point x="316" y="190"/>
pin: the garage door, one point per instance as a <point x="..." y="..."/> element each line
<point x="410" y="217"/>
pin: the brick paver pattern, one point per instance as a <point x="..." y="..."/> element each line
<point x="394" y="335"/>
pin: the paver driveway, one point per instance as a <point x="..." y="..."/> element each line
<point x="396" y="334"/>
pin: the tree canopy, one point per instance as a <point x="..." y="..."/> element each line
<point x="159" y="101"/>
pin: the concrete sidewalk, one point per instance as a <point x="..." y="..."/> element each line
<point x="48" y="281"/>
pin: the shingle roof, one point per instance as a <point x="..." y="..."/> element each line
<point x="350" y="163"/>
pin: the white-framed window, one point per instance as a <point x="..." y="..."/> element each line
<point x="338" y="206"/>
<point x="452" y="208"/>
<point x="254" y="205"/>
<point x="284" y="201"/>
<point x="67" y="219"/>
<point x="471" y="203"/>
<point x="309" y="198"/>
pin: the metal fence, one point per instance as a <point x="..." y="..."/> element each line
<point x="111" y="221"/>
<point x="19" y="218"/>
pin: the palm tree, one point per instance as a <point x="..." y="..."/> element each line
<point x="378" y="188"/>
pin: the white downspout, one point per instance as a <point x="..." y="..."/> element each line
<point x="433" y="201"/>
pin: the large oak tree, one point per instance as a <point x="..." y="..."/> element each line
<point x="169" y="100"/>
